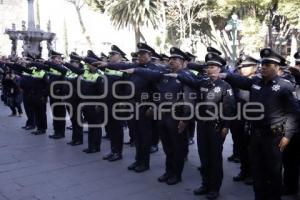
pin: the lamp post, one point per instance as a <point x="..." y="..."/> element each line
<point x="232" y="25"/>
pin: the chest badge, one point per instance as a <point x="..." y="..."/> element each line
<point x="217" y="90"/>
<point x="276" y="87"/>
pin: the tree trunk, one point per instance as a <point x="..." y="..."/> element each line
<point x="83" y="29"/>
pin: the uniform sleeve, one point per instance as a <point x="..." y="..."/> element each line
<point x="57" y="67"/>
<point x="75" y="70"/>
<point x="120" y="66"/>
<point x="228" y="105"/>
<point x="239" y="81"/>
<point x="151" y="75"/>
<point x="190" y="80"/>
<point x="40" y="66"/>
<point x="292" y="111"/>
<point x="195" y="66"/>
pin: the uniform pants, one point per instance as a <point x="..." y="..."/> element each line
<point x="210" y="147"/>
<point x="266" y="160"/>
<point x="29" y="109"/>
<point x="58" y="111"/>
<point x="39" y="103"/>
<point x="174" y="145"/>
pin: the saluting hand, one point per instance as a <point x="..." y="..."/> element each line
<point x="100" y="64"/>
<point x="174" y="75"/>
<point x="181" y="126"/>
<point x="283" y="143"/>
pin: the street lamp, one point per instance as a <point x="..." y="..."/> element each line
<point x="232" y="25"/>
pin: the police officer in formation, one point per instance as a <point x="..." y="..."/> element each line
<point x="266" y="140"/>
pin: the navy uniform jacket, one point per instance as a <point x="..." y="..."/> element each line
<point x="278" y="98"/>
<point x="215" y="92"/>
<point x="143" y="87"/>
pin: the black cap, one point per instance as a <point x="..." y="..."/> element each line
<point x="297" y="58"/>
<point x="177" y="53"/>
<point x="103" y="56"/>
<point x="165" y="57"/>
<point x="213" y="50"/>
<point x="53" y="53"/>
<point x="91" y="54"/>
<point x="156" y="56"/>
<point x="116" y="49"/>
<point x="190" y="55"/>
<point x="269" y="56"/>
<point x="143" y="47"/>
<point x="74" y="57"/>
<point x="248" y="60"/>
<point x="90" y="60"/>
<point x="214" y="59"/>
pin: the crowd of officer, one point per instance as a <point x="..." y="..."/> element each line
<point x="165" y="99"/>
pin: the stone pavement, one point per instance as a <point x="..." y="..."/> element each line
<point x="36" y="167"/>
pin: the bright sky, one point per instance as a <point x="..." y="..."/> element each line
<point x="98" y="27"/>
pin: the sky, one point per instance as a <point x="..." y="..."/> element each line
<point x="98" y="27"/>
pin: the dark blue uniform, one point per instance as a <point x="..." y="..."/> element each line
<point x="279" y="119"/>
<point x="143" y="125"/>
<point x="175" y="144"/>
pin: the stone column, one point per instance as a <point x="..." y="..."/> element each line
<point x="31" y="22"/>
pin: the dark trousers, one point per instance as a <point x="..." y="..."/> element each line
<point x="266" y="160"/>
<point x="191" y="128"/>
<point x="93" y="116"/>
<point x="39" y="103"/>
<point x="143" y="138"/>
<point x="236" y="130"/>
<point x="242" y="144"/>
<point x="114" y="128"/>
<point x="174" y="145"/>
<point x="155" y="133"/>
<point x="290" y="161"/>
<point x="77" y="130"/>
<point x="58" y="111"/>
<point x="210" y="147"/>
<point x="132" y="128"/>
<point x="29" y="109"/>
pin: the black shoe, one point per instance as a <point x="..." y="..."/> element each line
<point x="191" y="141"/>
<point x="106" y="157"/>
<point x="70" y="128"/>
<point x="91" y="150"/>
<point x="163" y="178"/>
<point x="141" y="168"/>
<point x="56" y="136"/>
<point x="29" y="128"/>
<point x="24" y="127"/>
<point x="173" y="180"/>
<point x="201" y="190"/>
<point x="133" y="166"/>
<point x="38" y="132"/>
<point x="128" y="143"/>
<point x="154" y="149"/>
<point x="115" y="157"/>
<point x="75" y="143"/>
<point x="240" y="177"/>
<point x="212" y="195"/>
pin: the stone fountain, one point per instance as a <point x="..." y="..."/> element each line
<point x="31" y="36"/>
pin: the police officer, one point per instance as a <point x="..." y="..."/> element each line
<point x="240" y="127"/>
<point x="114" y="126"/>
<point x="142" y="92"/>
<point x="57" y="73"/>
<point x="75" y="70"/>
<point x="212" y="130"/>
<point x="273" y="127"/>
<point x="171" y="131"/>
<point x="92" y="85"/>
<point x="291" y="155"/>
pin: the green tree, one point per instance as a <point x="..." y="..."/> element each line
<point x="132" y="13"/>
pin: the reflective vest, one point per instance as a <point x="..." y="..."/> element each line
<point x="113" y="72"/>
<point x="55" y="72"/>
<point x="37" y="73"/>
<point x="70" y="74"/>
<point x="91" y="77"/>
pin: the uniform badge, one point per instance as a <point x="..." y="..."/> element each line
<point x="217" y="90"/>
<point x="276" y="87"/>
<point x="256" y="87"/>
<point x="230" y="92"/>
<point x="210" y="56"/>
